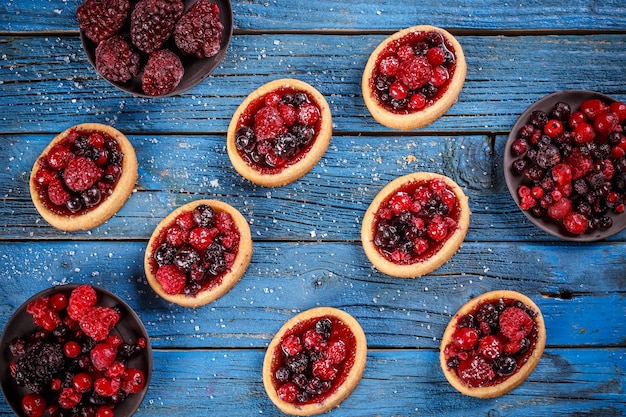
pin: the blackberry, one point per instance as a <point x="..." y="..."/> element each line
<point x="162" y="73"/>
<point x="488" y="314"/>
<point x="199" y="31"/>
<point x="561" y="111"/>
<point x="548" y="156"/>
<point x="324" y="327"/>
<point x="101" y="19"/>
<point x="504" y="365"/>
<point x="152" y="23"/>
<point x="538" y="119"/>
<point x="298" y="363"/>
<point x="40" y="364"/>
<point x="117" y="60"/>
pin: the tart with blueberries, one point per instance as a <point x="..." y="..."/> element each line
<point x="198" y="253"/>
<point x="415" y="224"/>
<point x="492" y="344"/>
<point x="83" y="177"/>
<point x="314" y="361"/>
<point x="279" y="132"/>
<point x="413" y="77"/>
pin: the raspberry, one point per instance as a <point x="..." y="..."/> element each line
<point x="515" y="323"/>
<point x="389" y="65"/>
<point x="171" y="279"/>
<point x="69" y="398"/>
<point x="199" y="31"/>
<point x="43" y="315"/>
<point x="59" y="156"/>
<point x="162" y="73"/>
<point x="268" y="124"/>
<point x="81" y="299"/>
<point x="107" y="387"/>
<point x="152" y="23"/>
<point x="102" y="356"/>
<point x="101" y="19"/>
<point x="185" y="221"/>
<point x="336" y="351"/>
<point x="291" y="345"/>
<point x="415" y="72"/>
<point x="560" y="209"/>
<point x="308" y="114"/>
<point x="576" y="223"/>
<point x="288" y="392"/>
<point x="202" y="237"/>
<point x="117" y="60"/>
<point x="81" y="174"/>
<point x="57" y="194"/>
<point x="314" y="341"/>
<point x="324" y="370"/>
<point x="97" y="322"/>
<point x="490" y="347"/>
<point x="475" y="371"/>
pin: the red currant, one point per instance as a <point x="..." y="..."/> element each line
<point x="58" y="301"/>
<point x="33" y="405"/>
<point x="398" y="90"/>
<point x="81" y="382"/>
<point x="71" y="349"/>
<point x="554" y="128"/>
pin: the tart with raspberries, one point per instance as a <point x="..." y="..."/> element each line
<point x="415" y="224"/>
<point x="413" y="77"/>
<point x="83" y="177"/>
<point x="198" y="253"/>
<point x="492" y="344"/>
<point x="279" y="132"/>
<point x="314" y="361"/>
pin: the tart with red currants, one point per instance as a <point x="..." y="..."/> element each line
<point x="279" y="132"/>
<point x="314" y="361"/>
<point x="83" y="177"/>
<point x="198" y="253"/>
<point x="492" y="344"/>
<point x="415" y="224"/>
<point x="413" y="77"/>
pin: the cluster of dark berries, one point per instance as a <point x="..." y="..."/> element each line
<point x="80" y="172"/>
<point x="281" y="129"/>
<point x="492" y="342"/>
<point x="151" y="36"/>
<point x="413" y="71"/>
<point x="415" y="221"/>
<point x="572" y="164"/>
<point x="312" y="359"/>
<point x="72" y="364"/>
<point x="200" y="246"/>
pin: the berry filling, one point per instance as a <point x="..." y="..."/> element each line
<point x="416" y="221"/>
<point x="413" y="72"/>
<point x="572" y="165"/>
<point x="79" y="172"/>
<point x="312" y="360"/>
<point x="277" y="130"/>
<point x="492" y="342"/>
<point x="195" y="251"/>
<point x="74" y="362"/>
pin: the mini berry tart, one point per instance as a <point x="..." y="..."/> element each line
<point x="415" y="224"/>
<point x="314" y="361"/>
<point x="413" y="77"/>
<point x="279" y="132"/>
<point x="83" y="177"/>
<point x="198" y="253"/>
<point x="492" y="344"/>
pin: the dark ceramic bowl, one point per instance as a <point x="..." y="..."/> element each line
<point x="129" y="328"/>
<point x="196" y="69"/>
<point x="574" y="98"/>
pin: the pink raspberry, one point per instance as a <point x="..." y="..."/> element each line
<point x="415" y="72"/>
<point x="515" y="323"/>
<point x="81" y="299"/>
<point x="81" y="174"/>
<point x="268" y="124"/>
<point x="97" y="322"/>
<point x="171" y="279"/>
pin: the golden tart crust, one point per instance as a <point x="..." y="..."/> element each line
<point x="107" y="208"/>
<point x="449" y="248"/>
<point x="298" y="169"/>
<point x="341" y="392"/>
<point x="521" y="374"/>
<point x="428" y="114"/>
<point x="228" y="280"/>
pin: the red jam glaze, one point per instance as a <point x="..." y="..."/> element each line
<point x="464" y="349"/>
<point x="340" y="332"/>
<point x="389" y="79"/>
<point x="271" y="154"/>
<point x="221" y="233"/>
<point x="414" y="222"/>
<point x="104" y="152"/>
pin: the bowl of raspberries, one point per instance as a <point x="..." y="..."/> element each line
<point x="565" y="165"/>
<point x="75" y="350"/>
<point x="155" y="48"/>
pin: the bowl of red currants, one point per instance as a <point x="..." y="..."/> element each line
<point x="75" y="350"/>
<point x="565" y="165"/>
<point x="155" y="48"/>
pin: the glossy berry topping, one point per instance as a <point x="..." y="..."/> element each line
<point x="278" y="129"/>
<point x="195" y="251"/>
<point x="413" y="72"/>
<point x="492" y="342"/>
<point x="416" y="221"/>
<point x="64" y="369"/>
<point x="77" y="174"/>
<point x="312" y="360"/>
<point x="572" y="165"/>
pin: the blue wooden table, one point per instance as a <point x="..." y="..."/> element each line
<point x="307" y="250"/>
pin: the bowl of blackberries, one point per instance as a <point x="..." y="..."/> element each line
<point x="565" y="165"/>
<point x="155" y="48"/>
<point x="75" y="350"/>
